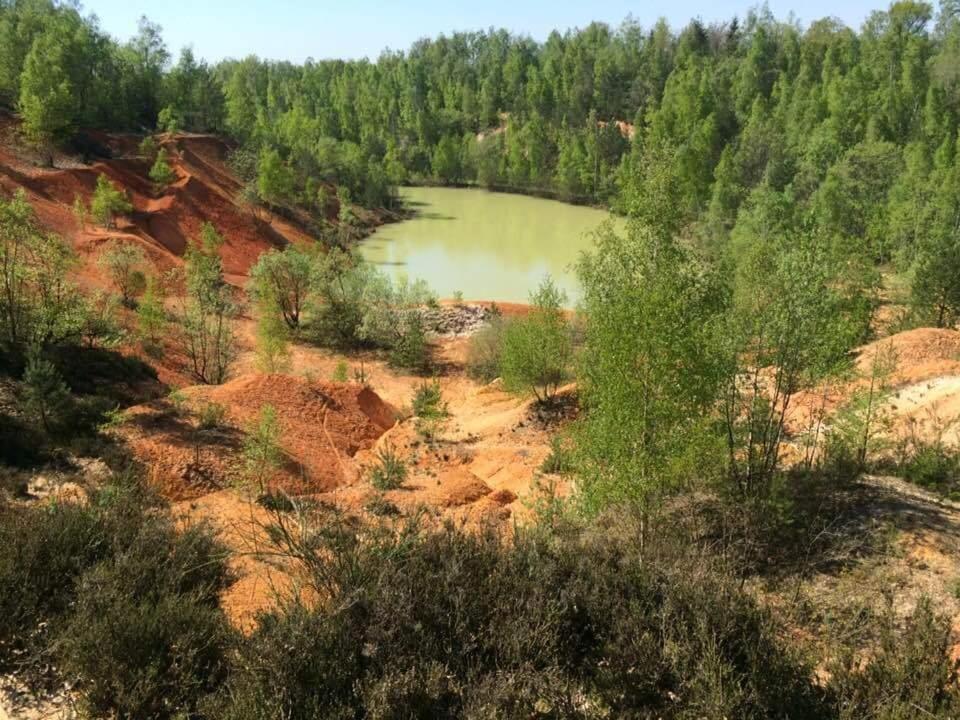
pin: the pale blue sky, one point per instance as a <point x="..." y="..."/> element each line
<point x="294" y="30"/>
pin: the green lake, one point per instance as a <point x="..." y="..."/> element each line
<point x="486" y="245"/>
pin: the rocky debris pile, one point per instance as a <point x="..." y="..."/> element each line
<point x="460" y="319"/>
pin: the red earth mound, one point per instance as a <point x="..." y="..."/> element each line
<point x="322" y="426"/>
<point x="162" y="222"/>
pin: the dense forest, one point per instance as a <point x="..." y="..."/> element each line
<point x="853" y="133"/>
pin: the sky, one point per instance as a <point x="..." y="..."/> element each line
<point x="297" y="29"/>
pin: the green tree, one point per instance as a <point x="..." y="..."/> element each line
<point x="152" y="314"/>
<point x="38" y="301"/>
<point x="273" y="343"/>
<point x="46" y="396"/>
<point x="47" y="103"/>
<point x="275" y="181"/>
<point x="161" y="173"/>
<point x="262" y="453"/>
<point x="537" y="348"/>
<point x="124" y="262"/>
<point x="282" y="281"/>
<point x="649" y="370"/>
<point x="108" y="202"/>
<point x="208" y="318"/>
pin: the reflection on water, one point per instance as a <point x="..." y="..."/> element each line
<point x="490" y="246"/>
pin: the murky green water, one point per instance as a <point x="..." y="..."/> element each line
<point x="489" y="246"/>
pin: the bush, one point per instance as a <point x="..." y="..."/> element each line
<point x="485" y="351"/>
<point x="146" y="635"/>
<point x="537" y="349"/>
<point x="108" y="202"/>
<point x="211" y="416"/>
<point x="910" y="674"/>
<point x="450" y="623"/>
<point x="161" y="173"/>
<point x="341" y="372"/>
<point x="560" y="459"/>
<point x="43" y="551"/>
<point x="935" y="467"/>
<point x="410" y="350"/>
<point x="390" y="470"/>
<point x="428" y="401"/>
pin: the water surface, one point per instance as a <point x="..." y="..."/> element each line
<point x="489" y="246"/>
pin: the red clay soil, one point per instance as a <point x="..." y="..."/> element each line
<point x="322" y="427"/>
<point x="161" y="222"/>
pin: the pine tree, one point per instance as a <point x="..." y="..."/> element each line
<point x="46" y="396"/>
<point x="108" y="202"/>
<point x="161" y="173"/>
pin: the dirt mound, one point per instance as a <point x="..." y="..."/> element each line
<point x="163" y="222"/>
<point x="920" y="354"/>
<point x="322" y="426"/>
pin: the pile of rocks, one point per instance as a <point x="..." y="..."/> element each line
<point x="461" y="319"/>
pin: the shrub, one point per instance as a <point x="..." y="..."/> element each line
<point x="161" y="173"/>
<point x="207" y="323"/>
<point x="450" y="623"/>
<point x="108" y="202"/>
<point x="262" y="454"/>
<point x="537" y="349"/>
<point x="146" y="635"/>
<point x="341" y="372"/>
<point x="910" y="674"/>
<point x="560" y="459"/>
<point x="148" y="147"/>
<point x="390" y="470"/>
<point x="485" y="351"/>
<point x="381" y="507"/>
<point x="273" y="344"/>
<point x="44" y="549"/>
<point x="211" y="416"/>
<point x="45" y="394"/>
<point x="410" y="350"/>
<point x="935" y="467"/>
<point x="428" y="401"/>
<point x="123" y="262"/>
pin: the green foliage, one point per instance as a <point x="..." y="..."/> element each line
<point x="537" y="348"/>
<point x="342" y="285"/>
<point x="282" y="281"/>
<point x="45" y="395"/>
<point x="211" y="416"/>
<point x="152" y="314"/>
<point x="161" y="173"/>
<point x="428" y="401"/>
<point x="262" y="453"/>
<point x="273" y="344"/>
<point x="275" y="181"/>
<point x="379" y="311"/>
<point x="146" y="632"/>
<point x="148" y="147"/>
<point x="649" y="369"/>
<point x="469" y="624"/>
<point x="560" y="460"/>
<point x="108" y="202"/>
<point x="390" y="470"/>
<point x="341" y="373"/>
<point x="908" y="676"/>
<point x="207" y="321"/>
<point x="485" y="351"/>
<point x="47" y="101"/>
<point x="168" y="120"/>
<point x="38" y="301"/>
<point x="123" y="262"/>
